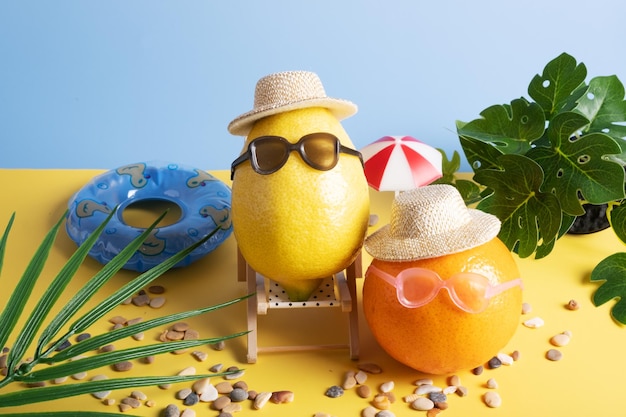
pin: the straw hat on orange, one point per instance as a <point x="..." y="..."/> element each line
<point x="428" y="222"/>
<point x="285" y="91"/>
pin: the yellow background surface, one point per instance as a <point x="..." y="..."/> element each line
<point x="587" y="381"/>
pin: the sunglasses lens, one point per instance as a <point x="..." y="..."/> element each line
<point x="417" y="287"/>
<point x="469" y="291"/>
<point x="269" y="154"/>
<point x="320" y="151"/>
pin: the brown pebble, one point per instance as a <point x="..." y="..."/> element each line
<point x="433" y="411"/>
<point x="454" y="380"/>
<point x="133" y="402"/>
<point x="141" y="300"/>
<point x="117" y="320"/>
<point x="461" y="391"/>
<point x="139" y="395"/>
<point x="515" y="355"/>
<point x="174" y="335"/>
<point x="124" y="407"/>
<point x="478" y="370"/>
<point x="134" y="321"/>
<point x="442" y="405"/>
<point x="381" y="402"/>
<point x="221" y="402"/>
<point x="150" y="403"/>
<point x="199" y="355"/>
<point x="107" y="348"/>
<point x="108" y="401"/>
<point x="156" y="289"/>
<point x="224" y="387"/>
<point x="363" y="391"/>
<point x="148" y="359"/>
<point x="554" y="355"/>
<point x="252" y="394"/>
<point x="572" y="305"/>
<point x="191" y="334"/>
<point x="123" y="366"/>
<point x="180" y="327"/>
<point x="281" y="397"/>
<point x="492" y="399"/>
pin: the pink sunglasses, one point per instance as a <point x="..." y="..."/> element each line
<point x="470" y="291"/>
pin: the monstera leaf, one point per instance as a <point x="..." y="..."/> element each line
<point x="604" y="106"/>
<point x="612" y="273"/>
<point x="575" y="167"/>
<point x="528" y="215"/>
<point x="511" y="129"/>
<point x="559" y="85"/>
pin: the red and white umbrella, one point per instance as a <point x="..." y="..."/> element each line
<point x="400" y="163"/>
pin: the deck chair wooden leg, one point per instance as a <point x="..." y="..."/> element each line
<point x="252" y="314"/>
<point x="353" y="272"/>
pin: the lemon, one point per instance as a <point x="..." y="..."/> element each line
<point x="298" y="224"/>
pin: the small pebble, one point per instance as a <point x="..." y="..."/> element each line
<point x="157" y="302"/>
<point x="232" y="408"/>
<point x="427" y="389"/>
<point x="454" y="380"/>
<point x="108" y="401"/>
<point x="238" y="395"/>
<point x="554" y="355"/>
<point x="494" y="363"/>
<point x="221" y="402"/>
<point x="281" y="397"/>
<point x="79" y="375"/>
<point x="424" y="381"/>
<point x="381" y="402"/>
<point x="491" y="383"/>
<point x="572" y="305"/>
<point x="221" y="345"/>
<point x="106" y="348"/>
<point x="150" y="403"/>
<point x="236" y="373"/>
<point x="183" y="393"/>
<point x="478" y="370"/>
<point x="560" y="340"/>
<point x="505" y="359"/>
<point x="82" y="337"/>
<point x="171" y="411"/>
<point x="422" y="404"/>
<point x="387" y="386"/>
<point x="369" y="411"/>
<point x="201" y="385"/>
<point x="139" y="395"/>
<point x="133" y="402"/>
<point x="450" y="389"/>
<point x="370" y="368"/>
<point x="209" y="394"/>
<point x="100" y="394"/>
<point x="461" y="391"/>
<point x="361" y="377"/>
<point x="492" y="399"/>
<point x="534" y="323"/>
<point x="349" y="380"/>
<point x="191" y="399"/>
<point x="437" y="397"/>
<point x="122" y="366"/>
<point x="156" y="289"/>
<point x="140" y="300"/>
<point x="526" y="308"/>
<point x="134" y="321"/>
<point x="410" y="398"/>
<point x="334" y="392"/>
<point x="188" y="412"/>
<point x="224" y="387"/>
<point x="385" y="413"/>
<point x="433" y="412"/>
<point x="261" y="399"/>
<point x="59" y="380"/>
<point x="363" y="391"/>
<point x="190" y="370"/>
<point x="64" y="345"/>
<point x="117" y="320"/>
<point x="216" y="368"/>
<point x="515" y="355"/>
<point x="199" y="355"/>
<point x="124" y="407"/>
<point x="241" y="384"/>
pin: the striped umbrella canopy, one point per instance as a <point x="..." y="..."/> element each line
<point x="400" y="163"/>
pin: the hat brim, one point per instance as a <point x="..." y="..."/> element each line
<point x="341" y="109"/>
<point x="482" y="228"/>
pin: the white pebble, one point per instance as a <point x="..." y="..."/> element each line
<point x="209" y="394"/>
<point x="369" y="411"/>
<point x="505" y="359"/>
<point x="201" y="385"/>
<point x="387" y="386"/>
<point x="526" y="308"/>
<point x="423" y="404"/>
<point x="492" y="399"/>
<point x="450" y="389"/>
<point x="534" y="323"/>
<point x="427" y="389"/>
<point x="188" y="371"/>
<point x="491" y="383"/>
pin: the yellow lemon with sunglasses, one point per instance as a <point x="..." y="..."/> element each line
<point x="300" y="199"/>
<point x="443" y="293"/>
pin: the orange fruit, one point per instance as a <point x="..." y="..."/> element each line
<point x="439" y="337"/>
<point x="299" y="225"/>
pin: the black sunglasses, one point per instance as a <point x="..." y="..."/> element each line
<point x="268" y="154"/>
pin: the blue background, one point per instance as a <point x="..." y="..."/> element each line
<point x="99" y="84"/>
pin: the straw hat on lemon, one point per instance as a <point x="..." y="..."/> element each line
<point x="428" y="222"/>
<point x="285" y="91"/>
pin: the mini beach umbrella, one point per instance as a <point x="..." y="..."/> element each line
<point x="400" y="163"/>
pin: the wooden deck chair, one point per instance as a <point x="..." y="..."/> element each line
<point x="338" y="291"/>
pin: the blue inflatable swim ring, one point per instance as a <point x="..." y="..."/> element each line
<point x="204" y="201"/>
